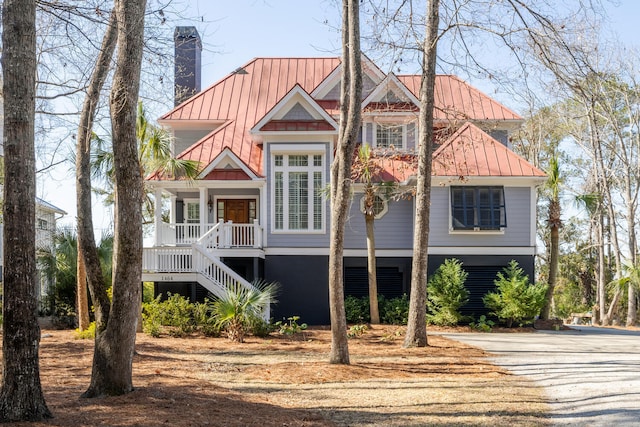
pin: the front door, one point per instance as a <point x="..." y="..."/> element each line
<point x="236" y="211"/>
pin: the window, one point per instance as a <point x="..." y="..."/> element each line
<point x="43" y="224"/>
<point x="390" y="135"/>
<point x="192" y="212"/>
<point x="478" y="208"/>
<point x="379" y="207"/>
<point x="297" y="185"/>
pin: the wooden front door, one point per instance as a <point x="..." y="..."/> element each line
<point x="236" y="210"/>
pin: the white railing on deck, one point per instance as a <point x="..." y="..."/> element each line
<point x="220" y="235"/>
<point x="160" y="260"/>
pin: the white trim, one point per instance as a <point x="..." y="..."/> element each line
<point x="408" y="253"/>
<point x="170" y="186"/>
<point x="286" y="150"/>
<point x="227" y="154"/>
<point x="478" y="232"/>
<point x="385" y="86"/>
<point x="390" y="124"/>
<point x="482" y="250"/>
<point x="298" y="149"/>
<point x="385" y="207"/>
<point x="235" y="197"/>
<point x="503" y="181"/>
<point x="277" y="111"/>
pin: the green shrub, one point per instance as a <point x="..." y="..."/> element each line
<point x="357" y="309"/>
<point x="258" y="327"/>
<point x="87" y="334"/>
<point x="177" y="311"/>
<point x="290" y="326"/>
<point x="446" y="294"/>
<point x="237" y="308"/>
<point x="483" y="324"/>
<point x="516" y="300"/>
<point x="394" y="311"/>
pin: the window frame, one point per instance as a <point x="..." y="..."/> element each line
<point x="389" y="126"/>
<point x="385" y="206"/>
<point x="315" y="170"/>
<point x="478" y="209"/>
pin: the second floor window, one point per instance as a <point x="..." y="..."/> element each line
<point x="390" y="135"/>
<point x="478" y="208"/>
<point x="298" y="202"/>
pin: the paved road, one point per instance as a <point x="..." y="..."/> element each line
<point x="592" y="375"/>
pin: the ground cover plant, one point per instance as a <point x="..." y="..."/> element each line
<point x="284" y="380"/>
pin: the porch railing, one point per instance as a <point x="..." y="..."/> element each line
<point x="220" y="235"/>
<point x="167" y="259"/>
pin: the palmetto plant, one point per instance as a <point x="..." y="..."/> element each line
<point x="239" y="306"/>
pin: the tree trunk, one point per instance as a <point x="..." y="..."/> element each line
<point x="21" y="397"/>
<point x="350" y="99"/>
<point x="602" y="293"/>
<point x="371" y="270"/>
<point x="82" y="300"/>
<point x="554" y="225"/>
<point x="417" y="322"/>
<point x="87" y="252"/>
<point x="114" y="348"/>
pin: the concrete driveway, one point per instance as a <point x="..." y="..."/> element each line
<point x="592" y="375"/>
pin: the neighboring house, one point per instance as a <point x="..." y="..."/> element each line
<point x="46" y="218"/>
<point x="265" y="137"/>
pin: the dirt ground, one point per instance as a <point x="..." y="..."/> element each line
<point x="283" y="381"/>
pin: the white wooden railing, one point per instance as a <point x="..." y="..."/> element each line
<point x="220" y="235"/>
<point x="167" y="259"/>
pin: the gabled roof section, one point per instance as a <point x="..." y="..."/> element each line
<point x="329" y="89"/>
<point x="472" y="152"/>
<point x="391" y="95"/>
<point x="227" y="166"/>
<point x="241" y="99"/>
<point x="44" y="205"/>
<point x="455" y="99"/>
<point x="298" y="112"/>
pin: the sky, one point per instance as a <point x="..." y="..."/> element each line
<point x="234" y="32"/>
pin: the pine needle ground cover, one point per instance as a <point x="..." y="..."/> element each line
<point x="286" y="380"/>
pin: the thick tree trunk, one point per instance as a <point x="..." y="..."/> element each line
<point x="113" y="354"/>
<point x="417" y="323"/>
<point x="350" y="99"/>
<point x="21" y="397"/>
<point x="371" y="270"/>
<point x="87" y="252"/>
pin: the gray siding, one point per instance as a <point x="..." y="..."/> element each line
<point x="517" y="233"/>
<point x="393" y="231"/>
<point x="500" y="135"/>
<point x="298" y="112"/>
<point x="184" y="139"/>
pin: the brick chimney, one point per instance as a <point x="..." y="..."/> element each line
<point x="188" y="48"/>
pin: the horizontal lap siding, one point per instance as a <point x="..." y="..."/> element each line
<point x="517" y="232"/>
<point x="393" y="231"/>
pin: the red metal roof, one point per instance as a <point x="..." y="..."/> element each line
<point x="228" y="175"/>
<point x="242" y="99"/>
<point x="472" y="152"/>
<point x="457" y="100"/>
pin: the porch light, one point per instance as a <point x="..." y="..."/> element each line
<point x="210" y="204"/>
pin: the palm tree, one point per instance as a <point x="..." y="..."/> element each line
<point x="240" y="306"/>
<point x="154" y="153"/>
<point x="555" y="222"/>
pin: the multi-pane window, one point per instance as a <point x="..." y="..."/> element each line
<point x="298" y="203"/>
<point x="390" y="135"/>
<point x="478" y="208"/>
<point x="192" y="212"/>
<point x="379" y="207"/>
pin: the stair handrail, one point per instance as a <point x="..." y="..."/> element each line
<point x="207" y="240"/>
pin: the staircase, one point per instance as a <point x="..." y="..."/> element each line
<point x="199" y="258"/>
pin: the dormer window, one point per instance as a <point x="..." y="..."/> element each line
<point x="390" y="135"/>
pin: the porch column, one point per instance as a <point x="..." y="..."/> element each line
<point x="203" y="211"/>
<point x="262" y="218"/>
<point x="157" y="214"/>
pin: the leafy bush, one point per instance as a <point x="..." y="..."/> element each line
<point x="567" y="297"/>
<point x="258" y="327"/>
<point x="357" y="309"/>
<point x="394" y="311"/>
<point x="516" y="300"/>
<point x="446" y="294"/>
<point x="483" y="324"/>
<point x="290" y="326"/>
<point x="87" y="334"/>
